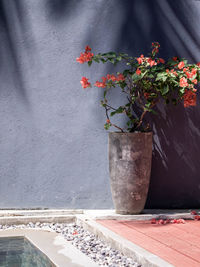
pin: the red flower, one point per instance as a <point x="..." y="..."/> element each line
<point x="193" y="212"/>
<point x="120" y="77"/>
<point x="181" y="65"/>
<point x="161" y="60"/>
<point x="138" y="71"/>
<point x="111" y="77"/>
<point x="81" y="59"/>
<point x="107" y="121"/>
<point x="174" y="72"/>
<point x="175" y="58"/>
<point x="167" y="70"/>
<point x="194" y="71"/>
<point x="180" y="221"/>
<point x="84" y="82"/>
<point x="85" y="57"/>
<point x="152" y="62"/>
<point x="153" y="221"/>
<point x="197" y="217"/>
<point x="194" y="81"/>
<point x="140" y="59"/>
<point x="183" y="82"/>
<point x="189" y="98"/>
<point x="100" y="84"/>
<point x="185" y="69"/>
<point x="198" y="64"/>
<point x="87" y="48"/>
<point x="104" y="79"/>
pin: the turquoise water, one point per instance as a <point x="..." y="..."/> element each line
<point x="19" y="252"/>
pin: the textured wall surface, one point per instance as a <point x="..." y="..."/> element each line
<point x="53" y="148"/>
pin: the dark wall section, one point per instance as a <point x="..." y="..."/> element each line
<point x="53" y="148"/>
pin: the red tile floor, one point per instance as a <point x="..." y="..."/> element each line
<point x="178" y="244"/>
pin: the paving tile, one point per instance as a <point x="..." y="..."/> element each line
<point x="179" y="244"/>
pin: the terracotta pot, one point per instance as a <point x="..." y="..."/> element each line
<point x="130" y="157"/>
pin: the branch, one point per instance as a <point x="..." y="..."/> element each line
<point x="114" y="125"/>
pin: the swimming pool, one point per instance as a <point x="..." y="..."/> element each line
<point x="19" y="252"/>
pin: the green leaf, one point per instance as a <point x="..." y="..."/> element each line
<point x="126" y="72"/>
<point x="117" y="111"/>
<point x="161" y="76"/>
<point x="112" y="113"/>
<point x="107" y="126"/>
<point x="111" y="60"/>
<point x="89" y="63"/>
<point x="165" y="89"/>
<point x="119" y="58"/>
<point x="96" y="60"/>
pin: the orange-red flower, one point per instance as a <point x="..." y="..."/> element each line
<point x="185" y="69"/>
<point x="161" y="60"/>
<point x="189" y="98"/>
<point x="101" y="84"/>
<point x="84" y="82"/>
<point x="194" y="81"/>
<point x="174" y="72"/>
<point x="111" y="77"/>
<point x="86" y="56"/>
<point x="120" y="77"/>
<point x="181" y="65"/>
<point x="194" y="71"/>
<point x="138" y="71"/>
<point x="183" y="82"/>
<point x="197" y="217"/>
<point x="87" y="48"/>
<point x="107" y="121"/>
<point x="152" y="62"/>
<point x="140" y="59"/>
<point x="193" y="212"/>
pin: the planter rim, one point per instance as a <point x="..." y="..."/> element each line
<point x="134" y="133"/>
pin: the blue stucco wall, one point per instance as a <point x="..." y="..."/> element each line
<point x="53" y="148"/>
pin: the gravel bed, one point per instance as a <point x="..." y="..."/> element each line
<point x="87" y="243"/>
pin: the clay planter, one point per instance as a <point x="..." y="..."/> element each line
<point x="130" y="157"/>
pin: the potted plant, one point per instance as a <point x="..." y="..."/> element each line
<point x="145" y="82"/>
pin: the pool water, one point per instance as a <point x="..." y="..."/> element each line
<point x="19" y="252"/>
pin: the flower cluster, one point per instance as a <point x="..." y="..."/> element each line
<point x="110" y="77"/>
<point x="84" y="82"/>
<point x="195" y="217"/>
<point x="167" y="221"/>
<point x="86" y="56"/>
<point x="145" y="81"/>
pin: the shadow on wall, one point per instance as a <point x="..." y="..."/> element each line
<point x="175" y="179"/>
<point x="15" y="27"/>
<point x="58" y="9"/>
